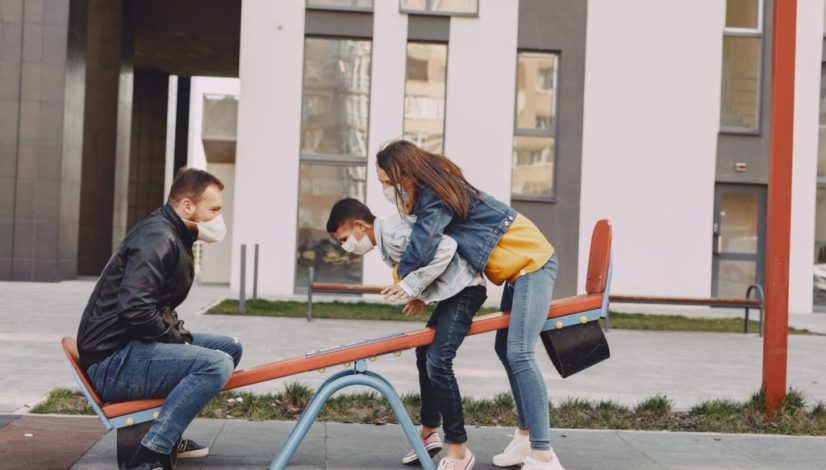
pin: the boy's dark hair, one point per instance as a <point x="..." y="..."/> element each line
<point x="347" y="210"/>
<point x="191" y="183"/>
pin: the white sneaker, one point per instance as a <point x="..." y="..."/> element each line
<point x="515" y="453"/>
<point x="531" y="464"/>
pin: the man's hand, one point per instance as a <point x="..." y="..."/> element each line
<point x="414" y="307"/>
<point x="394" y="292"/>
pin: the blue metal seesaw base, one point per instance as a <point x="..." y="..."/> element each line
<point x="359" y="375"/>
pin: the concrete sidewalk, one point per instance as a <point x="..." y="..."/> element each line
<point x="251" y="445"/>
<point x="687" y="367"/>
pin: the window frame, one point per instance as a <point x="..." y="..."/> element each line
<point x="551" y="132"/>
<point x="820" y="184"/>
<point x="341" y="8"/>
<point x="758" y="33"/>
<point x="820" y="181"/>
<point x="302" y="289"/>
<point x="327" y="159"/>
<point x="408" y="11"/>
<point x="333" y="158"/>
<point x="447" y="70"/>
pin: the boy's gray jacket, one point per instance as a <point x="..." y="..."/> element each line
<point x="445" y="276"/>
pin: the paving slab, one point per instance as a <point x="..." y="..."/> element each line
<point x="243" y="444"/>
<point x="46" y="442"/>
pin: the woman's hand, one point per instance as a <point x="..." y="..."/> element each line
<point x="414" y="307"/>
<point x="394" y="292"/>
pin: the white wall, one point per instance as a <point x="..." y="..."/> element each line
<point x="652" y="99"/>
<point x="269" y="126"/>
<point x="806" y="114"/>
<point x="652" y="93"/>
<point x="481" y="63"/>
<point x="386" y="113"/>
<point x="481" y="89"/>
<point x="270" y="114"/>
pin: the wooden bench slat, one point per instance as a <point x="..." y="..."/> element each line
<point x="684" y="300"/>
<point x="320" y="286"/>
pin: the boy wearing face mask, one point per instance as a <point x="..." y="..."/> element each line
<point x="130" y="341"/>
<point x="459" y="292"/>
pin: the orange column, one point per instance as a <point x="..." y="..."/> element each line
<point x="775" y="342"/>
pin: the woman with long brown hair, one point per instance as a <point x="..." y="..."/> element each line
<point x="509" y="249"/>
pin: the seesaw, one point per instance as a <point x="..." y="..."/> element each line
<point x="572" y="323"/>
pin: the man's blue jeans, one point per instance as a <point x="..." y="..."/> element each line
<point x="528" y="300"/>
<point x="188" y="376"/>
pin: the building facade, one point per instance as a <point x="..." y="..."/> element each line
<point x="654" y="114"/>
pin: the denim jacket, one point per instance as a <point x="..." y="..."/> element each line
<point x="475" y="236"/>
<point x="445" y="276"/>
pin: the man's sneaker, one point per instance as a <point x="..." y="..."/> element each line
<point x="189" y="449"/>
<point x="531" y="464"/>
<point x="143" y="466"/>
<point x="515" y="453"/>
<point x="449" y="463"/>
<point x="433" y="444"/>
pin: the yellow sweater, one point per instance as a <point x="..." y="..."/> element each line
<point x="521" y="250"/>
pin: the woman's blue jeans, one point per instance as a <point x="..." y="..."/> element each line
<point x="528" y="300"/>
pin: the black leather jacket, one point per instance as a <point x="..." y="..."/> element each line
<point x="135" y="298"/>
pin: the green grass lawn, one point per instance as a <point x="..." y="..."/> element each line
<point x="379" y="311"/>
<point x="795" y="416"/>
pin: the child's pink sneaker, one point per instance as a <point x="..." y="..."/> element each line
<point x="449" y="463"/>
<point x="433" y="444"/>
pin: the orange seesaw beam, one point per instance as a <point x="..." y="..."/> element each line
<point x="412" y="339"/>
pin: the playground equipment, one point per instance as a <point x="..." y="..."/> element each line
<point x="579" y="314"/>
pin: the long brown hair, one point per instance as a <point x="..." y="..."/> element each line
<point x="401" y="158"/>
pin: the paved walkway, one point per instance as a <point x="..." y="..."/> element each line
<point x="238" y="445"/>
<point x="687" y="367"/>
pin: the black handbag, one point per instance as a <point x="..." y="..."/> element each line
<point x="575" y="348"/>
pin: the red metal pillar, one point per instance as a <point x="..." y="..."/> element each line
<point x="775" y="342"/>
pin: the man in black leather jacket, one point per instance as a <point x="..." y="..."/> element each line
<point x="130" y="340"/>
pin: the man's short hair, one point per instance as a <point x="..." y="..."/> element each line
<point x="191" y="183"/>
<point x="347" y="210"/>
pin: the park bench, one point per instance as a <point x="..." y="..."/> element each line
<point x="132" y="419"/>
<point x="748" y="303"/>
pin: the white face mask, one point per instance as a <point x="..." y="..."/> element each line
<point x="213" y="231"/>
<point x="357" y="247"/>
<point x="390" y="195"/>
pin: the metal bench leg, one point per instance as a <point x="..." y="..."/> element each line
<point x="761" y="299"/>
<point x="760" y="324"/>
<point x="359" y="376"/>
<point x="310" y="280"/>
